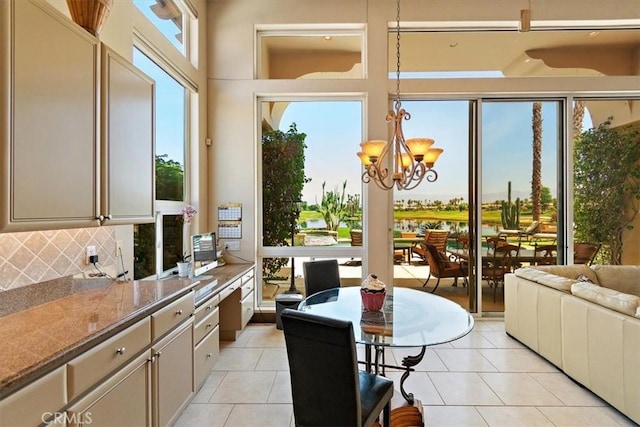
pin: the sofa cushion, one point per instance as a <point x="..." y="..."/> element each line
<point x="622" y="278"/>
<point x="609" y="298"/>
<point x="570" y="271"/>
<point x="543" y="278"/>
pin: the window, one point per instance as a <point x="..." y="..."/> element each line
<point x="158" y="246"/>
<point x="311" y="55"/>
<point x="173" y="18"/>
<point x="311" y="188"/>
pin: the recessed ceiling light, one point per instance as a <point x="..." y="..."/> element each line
<point x="594" y="33"/>
<point x="326" y="38"/>
<point x="527" y="60"/>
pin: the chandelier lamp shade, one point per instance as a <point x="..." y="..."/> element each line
<point x="412" y="159"/>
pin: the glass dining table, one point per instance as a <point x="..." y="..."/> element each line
<point x="409" y="318"/>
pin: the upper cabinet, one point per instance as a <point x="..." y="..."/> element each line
<point x="128" y="159"/>
<point x="76" y="135"/>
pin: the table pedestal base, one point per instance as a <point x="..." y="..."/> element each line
<point x="379" y="365"/>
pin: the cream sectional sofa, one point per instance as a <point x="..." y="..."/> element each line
<point x="591" y="331"/>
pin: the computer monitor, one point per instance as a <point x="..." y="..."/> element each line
<point x="204" y="252"/>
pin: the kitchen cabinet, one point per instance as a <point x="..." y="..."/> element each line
<point x="172" y="374"/>
<point x="128" y="151"/>
<point x="122" y="400"/>
<point x="39" y="401"/>
<point x="206" y="339"/>
<point x="49" y="119"/>
<point x="237" y="306"/>
<point x="71" y="155"/>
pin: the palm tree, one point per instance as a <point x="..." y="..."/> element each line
<point x="536" y="180"/>
<point x="578" y="117"/>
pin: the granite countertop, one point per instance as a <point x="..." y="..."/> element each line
<point x="45" y="325"/>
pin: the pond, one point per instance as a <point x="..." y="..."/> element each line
<point x="460" y="227"/>
<point x="415" y="225"/>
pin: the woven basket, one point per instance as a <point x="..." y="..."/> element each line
<point x="90" y="14"/>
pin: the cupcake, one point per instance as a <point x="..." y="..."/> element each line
<point x="373" y="292"/>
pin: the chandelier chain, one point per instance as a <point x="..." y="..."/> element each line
<point x="397" y="100"/>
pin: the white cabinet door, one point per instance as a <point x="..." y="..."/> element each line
<point x="122" y="400"/>
<point x="49" y="129"/>
<point x="128" y="150"/>
<point x="173" y="376"/>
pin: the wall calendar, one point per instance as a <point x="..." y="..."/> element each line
<point x="230" y="221"/>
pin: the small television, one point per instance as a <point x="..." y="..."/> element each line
<point x="204" y="254"/>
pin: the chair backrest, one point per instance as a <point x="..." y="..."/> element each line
<point x="437" y="260"/>
<point x="324" y="370"/>
<point x="584" y="253"/>
<point x="505" y="256"/>
<point x="532" y="227"/>
<point x="320" y="275"/>
<point x="494" y="241"/>
<point x="437" y="238"/>
<point x="545" y="254"/>
<point x="356" y="237"/>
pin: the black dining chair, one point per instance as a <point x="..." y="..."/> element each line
<point x="327" y="387"/>
<point x="320" y="275"/>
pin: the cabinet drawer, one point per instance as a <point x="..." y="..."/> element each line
<point x="170" y="316"/>
<point x="27" y="406"/>
<point x="206" y="309"/>
<point x="207" y="324"/>
<point x="247" y="286"/>
<point x="246" y="309"/>
<point x="87" y="369"/>
<point x="230" y="289"/>
<point x="206" y="355"/>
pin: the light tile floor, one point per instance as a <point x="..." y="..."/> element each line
<point x="483" y="379"/>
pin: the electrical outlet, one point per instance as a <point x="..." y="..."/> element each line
<point x="90" y="251"/>
<point x="232" y="245"/>
<point x="118" y="248"/>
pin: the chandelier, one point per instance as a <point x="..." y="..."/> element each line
<point x="413" y="159"/>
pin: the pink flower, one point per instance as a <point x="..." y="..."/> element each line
<point x="188" y="212"/>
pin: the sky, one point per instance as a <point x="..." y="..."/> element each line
<point x="334" y="133"/>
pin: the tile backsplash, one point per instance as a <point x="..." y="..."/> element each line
<point x="38" y="256"/>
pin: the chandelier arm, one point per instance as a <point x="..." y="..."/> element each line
<point x="406" y="173"/>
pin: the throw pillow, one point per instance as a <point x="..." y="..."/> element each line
<point x="583" y="278"/>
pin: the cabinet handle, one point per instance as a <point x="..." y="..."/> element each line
<point x="209" y="355"/>
<point x="157" y="355"/>
<point x="209" y="307"/>
<point x="100" y="218"/>
<point x="179" y="312"/>
<point x="121" y="350"/>
<point x="208" y="325"/>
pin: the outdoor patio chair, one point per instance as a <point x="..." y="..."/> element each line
<point x="494" y="241"/>
<point x="503" y="260"/>
<point x="545" y="254"/>
<point x="327" y="387"/>
<point x="441" y="267"/>
<point x="526" y="233"/>
<point x="356" y="237"/>
<point x="437" y="238"/>
<point x="585" y="253"/>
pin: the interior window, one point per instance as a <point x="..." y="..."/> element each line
<point x="316" y="55"/>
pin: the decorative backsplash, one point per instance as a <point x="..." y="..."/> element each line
<point x="38" y="256"/>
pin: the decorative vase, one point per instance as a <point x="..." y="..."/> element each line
<point x="373" y="300"/>
<point x="183" y="269"/>
<point x="90" y="14"/>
